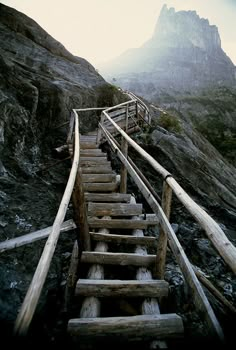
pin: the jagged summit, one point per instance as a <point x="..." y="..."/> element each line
<point x="183" y="54"/>
<point x="184" y="28"/>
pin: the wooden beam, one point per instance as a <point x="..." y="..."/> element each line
<point x="162" y="239"/>
<point x="99" y="169"/>
<point x="124" y="239"/>
<point x="80" y="212"/>
<point x="114" y="209"/>
<point x="121" y="224"/>
<point x="133" y="328"/>
<point x="34" y="236"/>
<point x="117" y="259"/>
<point x="101" y="187"/>
<point x="118" y="288"/>
<point x="107" y="197"/>
<point x="98" y="178"/>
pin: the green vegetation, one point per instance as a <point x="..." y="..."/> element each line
<point x="169" y="122"/>
<point x="221" y="137"/>
<point x="108" y="95"/>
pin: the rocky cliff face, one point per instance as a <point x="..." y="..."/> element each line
<point x="183" y="54"/>
<point x="40" y="83"/>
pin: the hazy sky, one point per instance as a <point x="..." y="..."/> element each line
<point x="102" y="29"/>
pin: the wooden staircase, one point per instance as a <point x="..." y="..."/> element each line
<point x="117" y="295"/>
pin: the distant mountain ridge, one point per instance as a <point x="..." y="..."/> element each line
<point x="183" y="54"/>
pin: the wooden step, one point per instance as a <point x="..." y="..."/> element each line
<point x="94" y="159"/>
<point x="117" y="258"/>
<point x="114" y="209"/>
<point x="125" y="239"/>
<point x="107" y="197"/>
<point x="98" y="169"/>
<point x="121" y="223"/>
<point x="118" y="288"/>
<point x="132" y="328"/>
<point x="101" y="162"/>
<point x="101" y="187"/>
<point x="96" y="152"/>
<point x="93" y="178"/>
<point x="88" y="145"/>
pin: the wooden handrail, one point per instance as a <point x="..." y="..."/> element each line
<point x="200" y="299"/>
<point x="224" y="247"/>
<point x="31" y="299"/>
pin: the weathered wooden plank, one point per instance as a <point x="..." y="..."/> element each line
<point x="100" y="187"/>
<point x="34" y="236"/>
<point x="98" y="178"/>
<point x="94" y="159"/>
<point x="117" y="259"/>
<point x="98" y="169"/>
<point x="162" y="239"/>
<point x="118" y="239"/>
<point x="119" y="288"/>
<point x="114" y="209"/>
<point x="97" y="152"/>
<point x="107" y="197"/>
<point x="88" y="145"/>
<point x="121" y="224"/>
<point x="131" y="328"/>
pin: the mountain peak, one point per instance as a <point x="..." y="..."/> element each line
<point x="184" y="29"/>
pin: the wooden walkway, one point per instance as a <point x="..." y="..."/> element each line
<point x="115" y="284"/>
<point x="120" y="306"/>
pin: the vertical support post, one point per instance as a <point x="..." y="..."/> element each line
<point x="124" y="150"/>
<point x="99" y="134"/>
<point x="162" y="241"/>
<point x="80" y="212"/>
<point x="137" y="113"/>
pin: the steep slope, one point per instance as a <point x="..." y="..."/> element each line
<point x="183" y="54"/>
<point x="40" y="82"/>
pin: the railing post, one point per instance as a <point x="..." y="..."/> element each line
<point x="99" y="134"/>
<point x="137" y="113"/>
<point x="124" y="150"/>
<point x="80" y="213"/>
<point x="162" y="240"/>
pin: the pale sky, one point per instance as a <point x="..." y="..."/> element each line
<point x="99" y="30"/>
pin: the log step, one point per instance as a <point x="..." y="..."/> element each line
<point x="98" y="169"/>
<point x="101" y="187"/>
<point x="118" y="288"/>
<point x="114" y="209"/>
<point x="126" y="239"/>
<point x="93" y="178"/>
<point x="88" y="145"/>
<point x="117" y="258"/>
<point x="94" y="159"/>
<point x="102" y="162"/>
<point x="132" y="328"/>
<point x="121" y="224"/>
<point x="107" y="197"/>
<point x="96" y="152"/>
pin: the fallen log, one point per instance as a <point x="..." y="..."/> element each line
<point x="34" y="236"/>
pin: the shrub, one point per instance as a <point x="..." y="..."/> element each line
<point x="169" y="123"/>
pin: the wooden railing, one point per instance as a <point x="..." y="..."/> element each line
<point x="167" y="235"/>
<point x="31" y="299"/>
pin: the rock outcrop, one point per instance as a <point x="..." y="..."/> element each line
<point x="40" y="83"/>
<point x="184" y="54"/>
